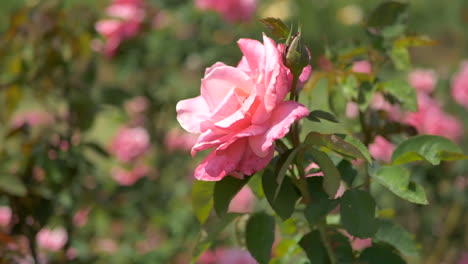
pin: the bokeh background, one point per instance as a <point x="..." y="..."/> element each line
<point x="94" y="167"/>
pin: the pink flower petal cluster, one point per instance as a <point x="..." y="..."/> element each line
<point x="460" y="86"/>
<point x="129" y="177"/>
<point x="33" y="118"/>
<point x="362" y="66"/>
<point x="130" y="143"/>
<point x="241" y="112"/>
<point x="381" y="149"/>
<point x="52" y="239"/>
<point x="243" y="202"/>
<point x="226" y="256"/>
<point x="423" y="80"/>
<point x="126" y="18"/>
<point x="178" y="140"/>
<point x="230" y="10"/>
<point x="5" y="215"/>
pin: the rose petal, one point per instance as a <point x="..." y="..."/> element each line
<point x="191" y="113"/>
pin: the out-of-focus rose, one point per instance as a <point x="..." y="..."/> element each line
<point x="178" y="140"/>
<point x="5" y="215"/>
<point x="460" y="86"/>
<point x="431" y="119"/>
<point x="463" y="258"/>
<point x="33" y="118"/>
<point x="378" y="102"/>
<point x="52" y="239"/>
<point x="381" y="149"/>
<point x="129" y="177"/>
<point x="137" y="105"/>
<point x="226" y="256"/>
<point x="362" y="67"/>
<point x="352" y="110"/>
<point x="241" y="112"/>
<point x="243" y="202"/>
<point x="230" y="10"/>
<point x="81" y="217"/>
<point x="423" y="80"/>
<point x="125" y="22"/>
<point x="107" y="246"/>
<point x="130" y="143"/>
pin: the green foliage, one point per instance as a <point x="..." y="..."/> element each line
<point x="276" y="27"/>
<point x="316" y="115"/>
<point x="224" y="191"/>
<point x="260" y="235"/>
<point x="380" y="255"/>
<point x="285" y="200"/>
<point x="331" y="177"/>
<point x="405" y="94"/>
<point x="314" y="248"/>
<point x="341" y="144"/>
<point x="202" y="199"/>
<point x="358" y="213"/>
<point x="433" y="149"/>
<point x="396" y="236"/>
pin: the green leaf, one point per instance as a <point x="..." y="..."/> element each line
<point x="114" y="96"/>
<point x="350" y="86"/>
<point x="255" y="185"/>
<point x="413" y="41"/>
<point x="397" y="180"/>
<point x="224" y="191"/>
<point x="202" y="199"/>
<point x="276" y="26"/>
<point x="12" y="184"/>
<point x="282" y="166"/>
<point x="378" y="254"/>
<point x="386" y="14"/>
<point x="341" y="247"/>
<point x="97" y="148"/>
<point x="314" y="248"/>
<point x="366" y="92"/>
<point x="358" y="213"/>
<point x="347" y="172"/>
<point x="318" y="209"/>
<point x="337" y="102"/>
<point x="316" y="115"/>
<point x="402" y="91"/>
<point x="331" y="177"/>
<point x="284" y="202"/>
<point x="342" y="144"/>
<point x="433" y="149"/>
<point x="398" y="237"/>
<point x="207" y="236"/>
<point x="286" y="248"/>
<point x="260" y="235"/>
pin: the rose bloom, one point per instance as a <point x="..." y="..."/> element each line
<point x="125" y="22"/>
<point x="243" y="202"/>
<point x="226" y="256"/>
<point x="52" y="239"/>
<point x="129" y="177"/>
<point x="230" y="10"/>
<point x="241" y="112"/>
<point x="381" y="149"/>
<point x="362" y="67"/>
<point x="460" y="86"/>
<point x="130" y="143"/>
<point x="423" y="80"/>
<point x="5" y="215"/>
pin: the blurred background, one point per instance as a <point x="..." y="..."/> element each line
<point x="94" y="167"/>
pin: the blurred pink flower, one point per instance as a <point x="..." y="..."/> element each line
<point x="423" y="80"/>
<point x="461" y="183"/>
<point x="130" y="143"/>
<point x="241" y="112"/>
<point x="431" y="119"/>
<point x="129" y="177"/>
<point x="125" y="22"/>
<point x="352" y="110"/>
<point x="381" y="149"/>
<point x="137" y="105"/>
<point x="460" y="86"/>
<point x="81" y="217"/>
<point x="52" y="239"/>
<point x="5" y="215"/>
<point x="230" y="10"/>
<point x="463" y="258"/>
<point x="226" y="256"/>
<point x="33" y="118"/>
<point x="178" y="140"/>
<point x="378" y="102"/>
<point x="107" y="245"/>
<point x="362" y="66"/>
<point x="243" y="202"/>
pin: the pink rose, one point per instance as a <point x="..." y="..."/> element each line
<point x="362" y="67"/>
<point x="423" y="80"/>
<point x="381" y="149"/>
<point x="230" y="10"/>
<point x="460" y="86"/>
<point x="241" y="112"/>
<point x="125" y="22"/>
<point x="352" y="110"/>
<point x="129" y="177"/>
<point x="226" y="256"/>
<point x="130" y="143"/>
<point x="81" y="217"/>
<point x="243" y="202"/>
<point x="5" y="215"/>
<point x="52" y="239"/>
<point x="178" y="140"/>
